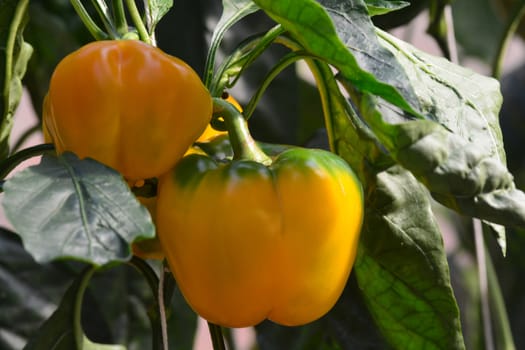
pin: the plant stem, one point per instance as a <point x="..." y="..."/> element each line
<point x="153" y="282"/>
<point x="517" y="13"/>
<point x="91" y="26"/>
<point x="228" y="339"/>
<point x="9" y="49"/>
<point x="10" y="163"/>
<point x="105" y="16"/>
<point x="451" y="34"/>
<point x="24" y="137"/>
<point x="162" y="310"/>
<point x="483" y="286"/>
<point x="217" y="339"/>
<point x="287" y="60"/>
<point x="501" y="320"/>
<point x="243" y="56"/>
<point x="244" y="146"/>
<point x="120" y="17"/>
<point x="77" y="313"/>
<point x="138" y="22"/>
<point x="438" y="26"/>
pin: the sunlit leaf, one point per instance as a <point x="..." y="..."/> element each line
<point x="342" y="34"/>
<point x="402" y="267"/>
<point x="458" y="153"/>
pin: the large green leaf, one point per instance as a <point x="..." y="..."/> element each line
<point x="476" y="38"/>
<point x="402" y="268"/>
<point x="458" y="154"/>
<point x="66" y="207"/>
<point x="342" y="34"/>
<point x="351" y="323"/>
<point x="14" y="55"/>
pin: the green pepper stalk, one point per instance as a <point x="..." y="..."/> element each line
<point x="244" y="146"/>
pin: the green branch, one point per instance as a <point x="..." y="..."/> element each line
<point x="244" y="146"/>
<point x="286" y="61"/>
<point x="217" y="339"/>
<point x="77" y="313"/>
<point x="7" y="165"/>
<point x="121" y="23"/>
<point x="138" y="22"/>
<point x="91" y="26"/>
<point x="517" y="14"/>
<point x="155" y="317"/>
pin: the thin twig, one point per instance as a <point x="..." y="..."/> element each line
<point x="515" y="19"/>
<point x="162" y="310"/>
<point x="216" y="337"/>
<point x="451" y="35"/>
<point x="483" y="285"/>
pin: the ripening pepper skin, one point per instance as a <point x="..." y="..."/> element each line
<point x="248" y="242"/>
<point x="126" y="104"/>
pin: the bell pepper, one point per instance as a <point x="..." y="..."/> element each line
<point x="126" y="104"/>
<point x="216" y="142"/>
<point x="249" y="241"/>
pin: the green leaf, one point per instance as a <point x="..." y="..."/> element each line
<point x="380" y="7"/>
<point x="14" y="55"/>
<point x="351" y="323"/>
<point x="342" y="34"/>
<point x="81" y="209"/>
<point x="476" y="38"/>
<point x="458" y="154"/>
<point x="402" y="267"/>
<point x="63" y="331"/>
<point x="233" y="11"/>
<point x="155" y="10"/>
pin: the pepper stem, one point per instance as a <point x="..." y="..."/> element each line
<point x="216" y="337"/>
<point x="244" y="146"/>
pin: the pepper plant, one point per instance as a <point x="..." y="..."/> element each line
<point x="132" y="223"/>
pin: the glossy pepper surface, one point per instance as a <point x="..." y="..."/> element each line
<point x="248" y="242"/>
<point x="126" y="104"/>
